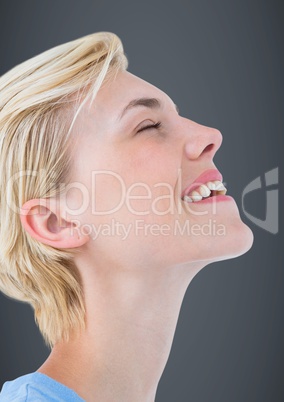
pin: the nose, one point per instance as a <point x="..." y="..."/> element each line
<point x="201" y="141"/>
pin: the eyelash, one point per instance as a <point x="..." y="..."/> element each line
<point x="150" y="126"/>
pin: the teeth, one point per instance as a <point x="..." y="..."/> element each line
<point x="195" y="196"/>
<point x="211" y="185"/>
<point x="203" y="191"/>
<point x="187" y="198"/>
<point x="219" y="185"/>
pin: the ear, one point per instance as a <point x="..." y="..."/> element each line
<point x="41" y="218"/>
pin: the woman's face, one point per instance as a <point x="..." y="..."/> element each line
<point x="134" y="160"/>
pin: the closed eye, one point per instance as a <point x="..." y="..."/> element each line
<point x="150" y="126"/>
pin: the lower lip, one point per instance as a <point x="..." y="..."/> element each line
<point x="214" y="198"/>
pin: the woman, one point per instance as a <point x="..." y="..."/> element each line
<point x="110" y="205"/>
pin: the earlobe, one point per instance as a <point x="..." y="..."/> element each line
<point x="42" y="220"/>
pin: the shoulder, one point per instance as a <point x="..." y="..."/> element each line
<point x="16" y="390"/>
<point x="37" y="387"/>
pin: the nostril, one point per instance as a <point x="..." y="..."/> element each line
<point x="208" y="148"/>
<point x="194" y="151"/>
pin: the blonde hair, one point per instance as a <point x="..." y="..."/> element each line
<point x="38" y="105"/>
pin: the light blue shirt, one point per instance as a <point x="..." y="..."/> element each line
<point x="37" y="387"/>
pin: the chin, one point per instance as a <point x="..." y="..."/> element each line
<point x="239" y="240"/>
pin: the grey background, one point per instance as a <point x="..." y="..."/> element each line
<point x="222" y="63"/>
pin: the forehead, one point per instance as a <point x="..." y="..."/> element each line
<point x="116" y="93"/>
<point x="102" y="115"/>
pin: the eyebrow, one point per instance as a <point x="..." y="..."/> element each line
<point x="151" y="103"/>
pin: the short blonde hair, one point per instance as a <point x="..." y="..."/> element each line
<point x="38" y="104"/>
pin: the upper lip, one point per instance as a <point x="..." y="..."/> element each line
<point x="208" y="175"/>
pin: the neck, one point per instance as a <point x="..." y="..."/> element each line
<point x="131" y="318"/>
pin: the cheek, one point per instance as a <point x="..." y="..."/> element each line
<point x="108" y="191"/>
<point x="152" y="192"/>
<point x="134" y="182"/>
<point x="153" y="164"/>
